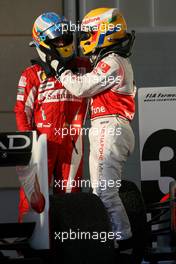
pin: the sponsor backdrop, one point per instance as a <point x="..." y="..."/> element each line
<point x="157" y="129"/>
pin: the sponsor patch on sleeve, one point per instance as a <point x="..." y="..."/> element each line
<point x="20" y="97"/>
<point x="103" y="66"/>
<point x="20" y="90"/>
<point x="22" y="82"/>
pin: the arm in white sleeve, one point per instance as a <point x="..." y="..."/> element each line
<point x="104" y="76"/>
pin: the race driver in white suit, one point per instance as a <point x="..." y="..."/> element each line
<point x="110" y="86"/>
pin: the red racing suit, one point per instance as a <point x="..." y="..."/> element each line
<point x="111" y="88"/>
<point x="44" y="105"/>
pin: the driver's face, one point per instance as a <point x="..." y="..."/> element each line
<point x="64" y="40"/>
<point x="58" y="42"/>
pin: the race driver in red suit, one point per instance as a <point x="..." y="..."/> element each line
<point x="44" y="105"/>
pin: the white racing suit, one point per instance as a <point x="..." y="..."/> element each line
<point x="111" y="88"/>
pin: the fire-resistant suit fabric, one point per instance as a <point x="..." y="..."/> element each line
<point x="44" y="105"/>
<point x="111" y="88"/>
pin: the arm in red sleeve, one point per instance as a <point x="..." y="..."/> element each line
<point x="24" y="107"/>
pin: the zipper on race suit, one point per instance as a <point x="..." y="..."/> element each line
<point x="43" y="114"/>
